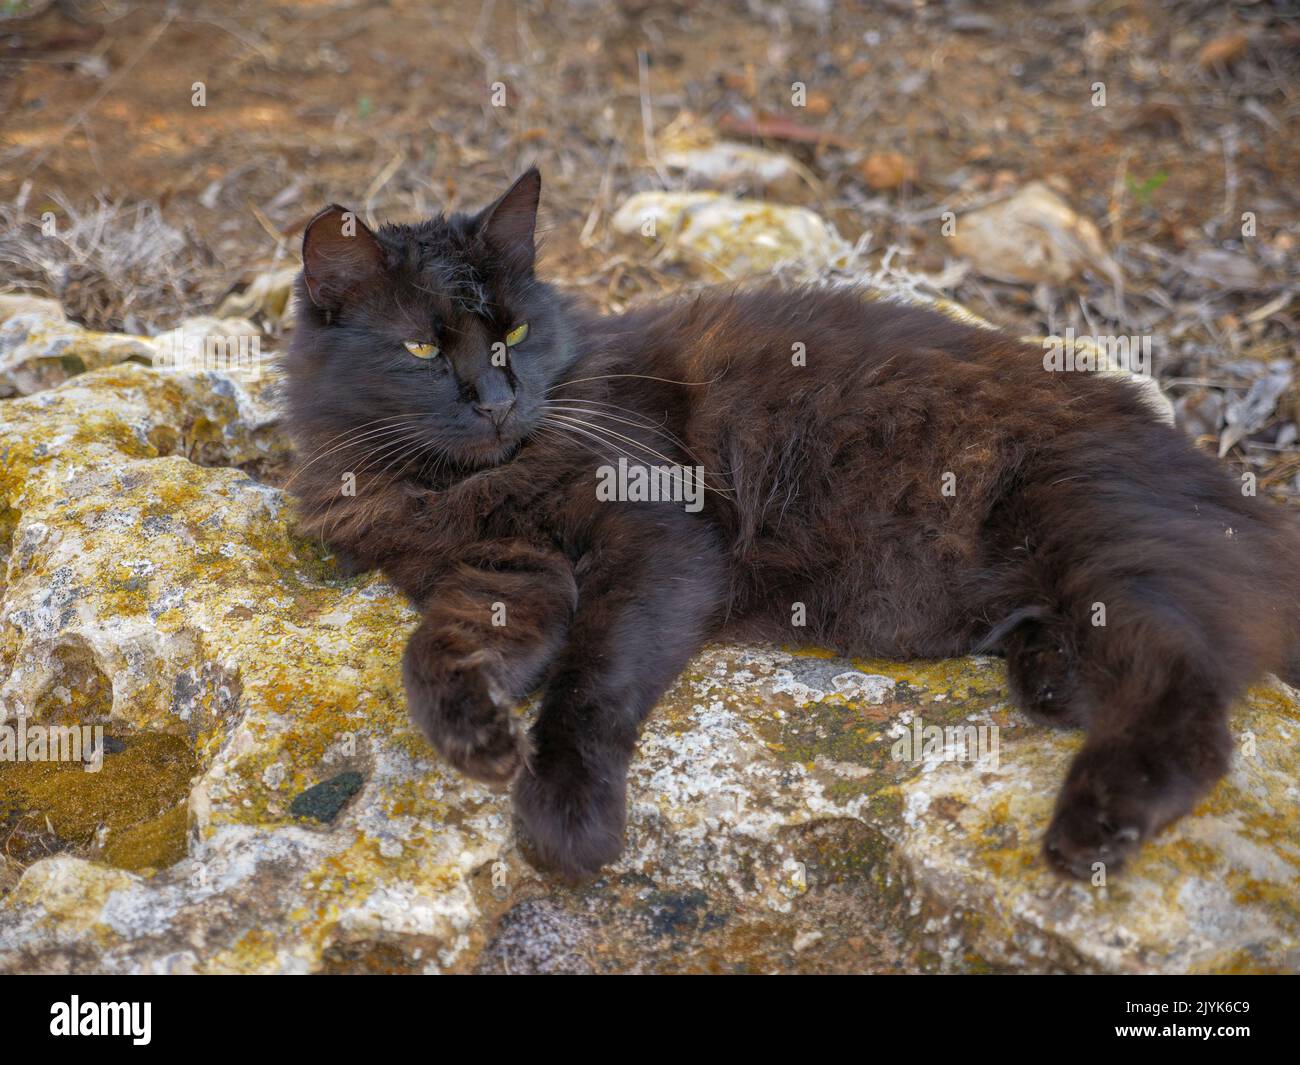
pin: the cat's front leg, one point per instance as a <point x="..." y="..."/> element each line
<point x="649" y="594"/>
<point x="493" y="621"/>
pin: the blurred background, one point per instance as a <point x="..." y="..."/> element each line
<point x="1123" y="167"/>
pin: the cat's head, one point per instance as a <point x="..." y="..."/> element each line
<point x="435" y="340"/>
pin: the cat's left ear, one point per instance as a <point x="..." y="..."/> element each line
<point x="509" y="224"/>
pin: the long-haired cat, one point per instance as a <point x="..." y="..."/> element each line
<point x="921" y="487"/>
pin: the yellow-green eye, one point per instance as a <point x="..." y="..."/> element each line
<point x="422" y="351"/>
<point x="517" y="335"/>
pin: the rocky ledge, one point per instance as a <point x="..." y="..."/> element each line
<point x="261" y="805"/>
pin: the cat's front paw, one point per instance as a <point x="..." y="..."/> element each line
<point x="573" y="812"/>
<point x="464" y="715"/>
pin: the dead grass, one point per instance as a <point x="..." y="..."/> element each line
<point x="115" y="266"/>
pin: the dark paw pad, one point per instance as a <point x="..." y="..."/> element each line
<point x="1084" y="840"/>
<point x="493" y="752"/>
<point x="1044" y="682"/>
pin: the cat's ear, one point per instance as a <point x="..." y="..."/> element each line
<point x="508" y="224"/>
<point x="340" y="257"/>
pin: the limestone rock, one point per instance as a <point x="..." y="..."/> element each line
<point x="1031" y="237"/>
<point x="690" y="149"/>
<point x="14" y="303"/>
<point x="264" y="806"/>
<point x="733" y="237"/>
<point x="40" y="350"/>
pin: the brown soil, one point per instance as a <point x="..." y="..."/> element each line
<point x="388" y="107"/>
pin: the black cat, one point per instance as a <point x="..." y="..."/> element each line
<point x="918" y="487"/>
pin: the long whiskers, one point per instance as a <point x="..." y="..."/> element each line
<point x="587" y="413"/>
<point x="355" y="436"/>
<point x="644" y="377"/>
<point x="594" y="431"/>
<point x="397" y="453"/>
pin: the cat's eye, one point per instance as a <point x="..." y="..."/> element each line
<point x="517" y="335"/>
<point x="422" y="351"/>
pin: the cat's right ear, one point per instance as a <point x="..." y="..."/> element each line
<point x="340" y="257"/>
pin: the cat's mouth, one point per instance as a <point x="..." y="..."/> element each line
<point x="491" y="451"/>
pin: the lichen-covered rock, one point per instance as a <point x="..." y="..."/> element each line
<point x="15" y="303"/>
<point x="735" y="238"/>
<point x="263" y="804"/>
<point x="39" y="350"/>
<point x="1030" y="237"/>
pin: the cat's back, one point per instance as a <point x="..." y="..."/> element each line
<point x="813" y="356"/>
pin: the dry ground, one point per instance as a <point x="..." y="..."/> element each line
<point x="389" y="107"/>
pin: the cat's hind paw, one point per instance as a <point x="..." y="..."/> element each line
<point x="1121" y="792"/>
<point x="1084" y="841"/>
<point x="1112" y="800"/>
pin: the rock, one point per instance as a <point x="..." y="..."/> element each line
<point x="38" y="351"/>
<point x="731" y="237"/>
<point x="1032" y="236"/>
<point x="887" y="170"/>
<point x="789" y="811"/>
<point x="209" y="342"/>
<point x="692" y="150"/>
<point x="15" y="303"/>
<point x="323" y="801"/>
<point x="726" y="165"/>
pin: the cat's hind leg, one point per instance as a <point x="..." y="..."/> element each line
<point x="1043" y="668"/>
<point x="1176" y="592"/>
<point x="1133" y="778"/>
<point x="1173" y="626"/>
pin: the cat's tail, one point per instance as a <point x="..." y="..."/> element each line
<point x="1160" y="539"/>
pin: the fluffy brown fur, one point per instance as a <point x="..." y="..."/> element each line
<point x="476" y="494"/>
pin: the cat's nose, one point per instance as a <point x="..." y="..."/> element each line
<point x="496" y="411"/>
